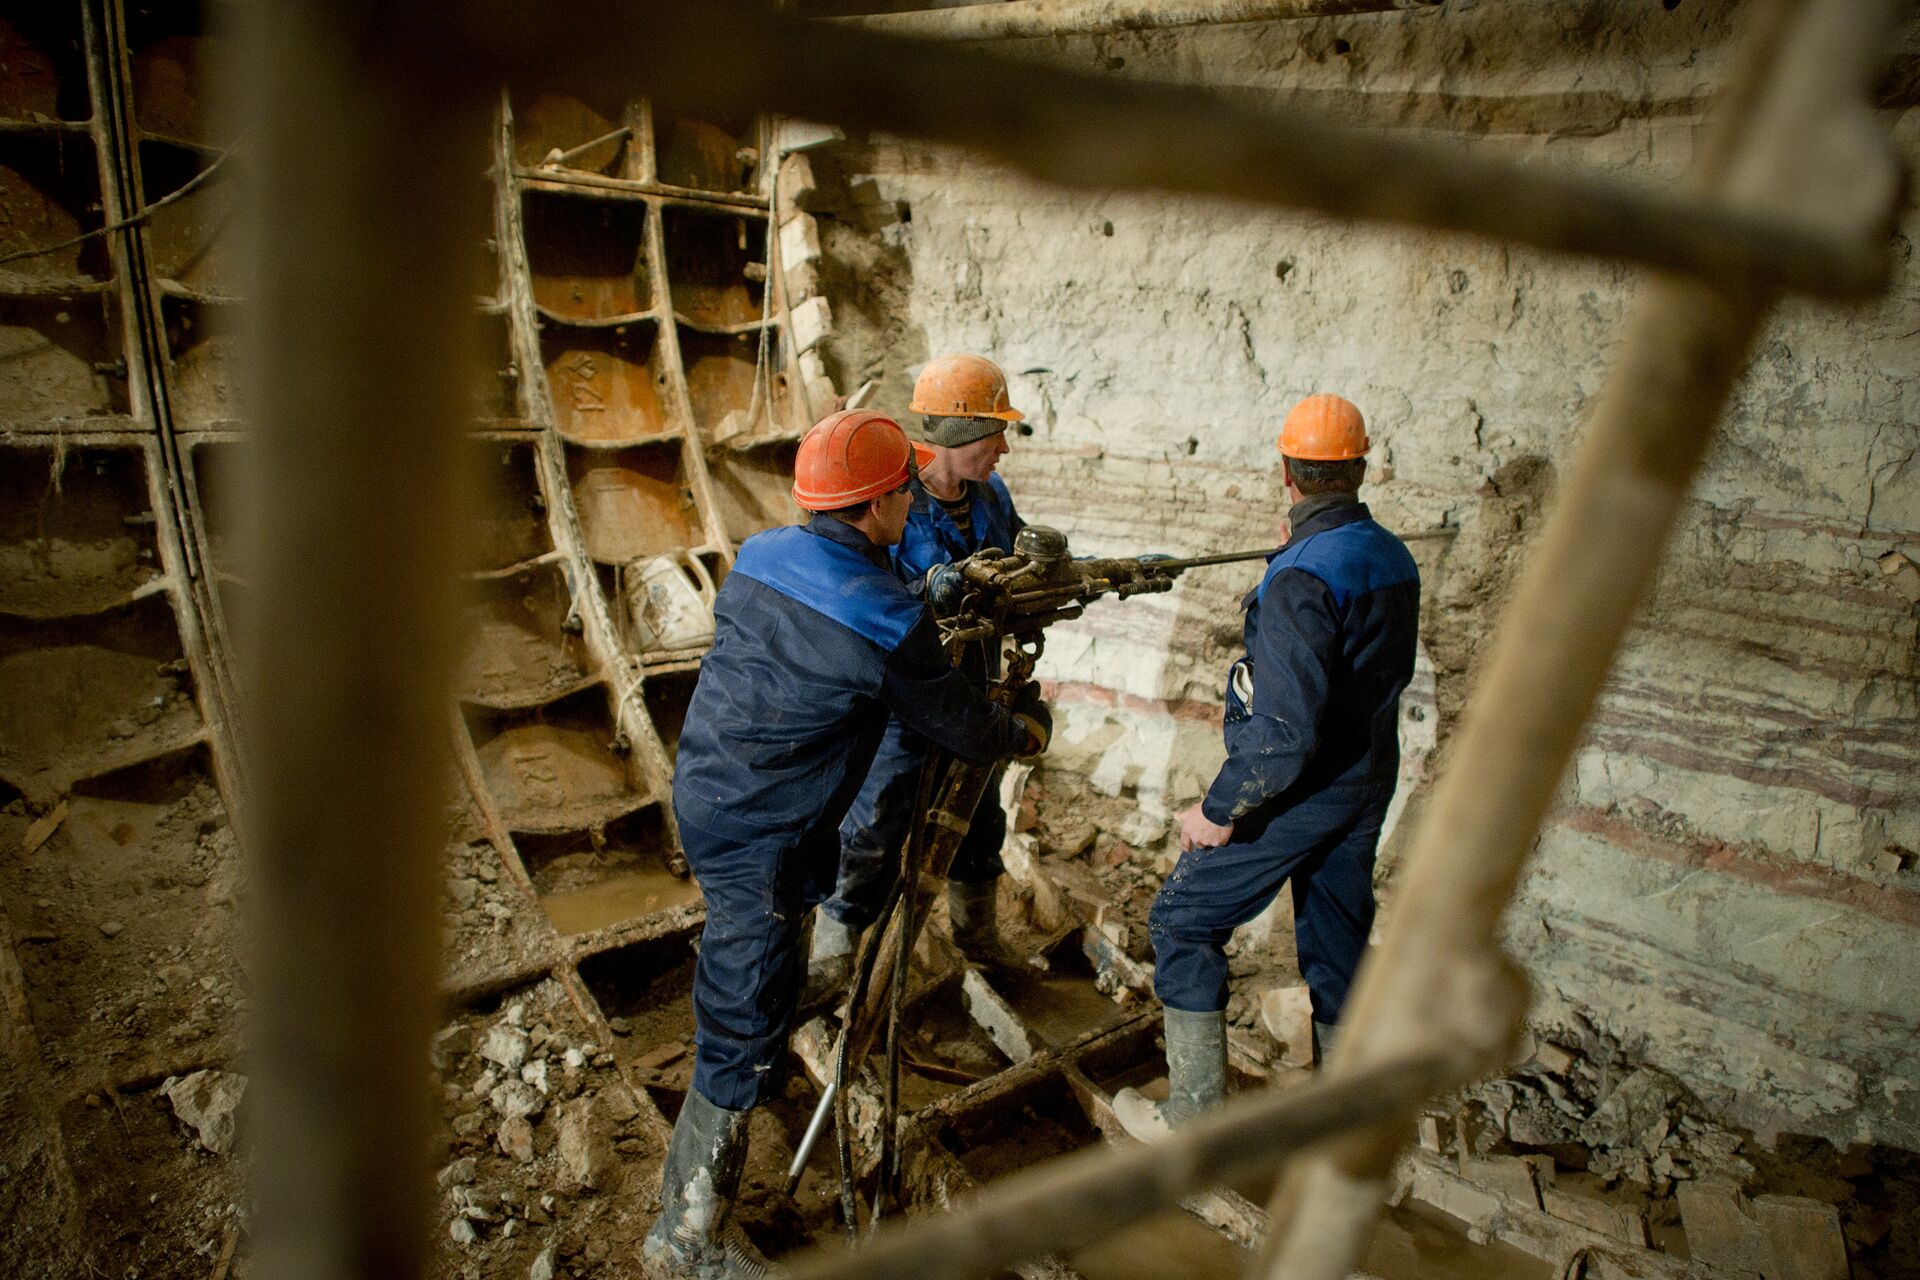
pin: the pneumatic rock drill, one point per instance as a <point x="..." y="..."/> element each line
<point x="994" y="604"/>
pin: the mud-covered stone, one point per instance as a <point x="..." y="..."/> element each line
<point x="515" y="1139"/>
<point x="1637" y="1113"/>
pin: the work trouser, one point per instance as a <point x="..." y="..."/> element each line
<point x="876" y="828"/>
<point x="1324" y="845"/>
<point x="746" y="984"/>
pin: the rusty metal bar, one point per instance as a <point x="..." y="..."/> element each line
<point x="1797" y="131"/>
<point x="1025" y="19"/>
<point x="1100" y="131"/>
<point x="364" y="245"/>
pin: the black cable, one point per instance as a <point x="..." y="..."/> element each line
<point x="843" y="1146"/>
<point x="184" y="190"/>
<point x="843" y="1138"/>
<point x="912" y="864"/>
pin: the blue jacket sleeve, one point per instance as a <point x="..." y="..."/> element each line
<point x="917" y="552"/>
<point x="935" y="700"/>
<point x="1296" y="639"/>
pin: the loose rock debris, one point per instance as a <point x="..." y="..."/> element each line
<point x="542" y="1130"/>
<point x="1579" y="1148"/>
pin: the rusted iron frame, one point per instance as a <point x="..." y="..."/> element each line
<point x="625" y="678"/>
<point x="1027" y="19"/>
<point x="364" y="244"/>
<point x="1066" y="1203"/>
<point x="144" y="360"/>
<point x="103" y="26"/>
<point x="1794" y="131"/>
<point x="1083" y="130"/>
<point x="1226" y="1211"/>
<point x="946" y="1179"/>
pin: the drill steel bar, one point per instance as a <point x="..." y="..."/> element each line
<point x="1026" y="19"/>
<point x="1795" y="128"/>
<point x="1076" y="1199"/>
<point x="1084" y="130"/>
<point x="1199" y="562"/>
<point x="359" y="347"/>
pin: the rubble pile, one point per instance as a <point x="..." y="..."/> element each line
<point x="1098" y="859"/>
<point x="1580" y="1148"/>
<point x="491" y="924"/>
<point x="554" y="1161"/>
<point x="1087" y="856"/>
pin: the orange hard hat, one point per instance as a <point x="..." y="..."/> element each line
<point x="1324" y="428"/>
<point x="963" y="387"/>
<point x="851" y="456"/>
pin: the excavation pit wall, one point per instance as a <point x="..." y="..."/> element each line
<point x="1728" y="880"/>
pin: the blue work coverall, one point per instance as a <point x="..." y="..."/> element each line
<point x="816" y="643"/>
<point x="1313" y="751"/>
<point x="876" y="826"/>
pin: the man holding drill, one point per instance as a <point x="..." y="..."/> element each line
<point x="960" y="506"/>
<point x="817" y="645"/>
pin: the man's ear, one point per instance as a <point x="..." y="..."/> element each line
<point x="1286" y="472"/>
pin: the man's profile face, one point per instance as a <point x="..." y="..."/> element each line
<point x="890" y="510"/>
<point x="977" y="460"/>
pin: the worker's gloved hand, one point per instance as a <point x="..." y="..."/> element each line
<point x="945" y="585"/>
<point x="1033" y="714"/>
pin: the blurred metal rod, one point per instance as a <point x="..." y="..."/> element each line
<point x="1024" y="19"/>
<point x="1106" y="132"/>
<point x="363" y="247"/>
<point x="1795" y="130"/>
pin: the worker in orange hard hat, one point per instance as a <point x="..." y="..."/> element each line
<point x="817" y="646"/>
<point x="1312" y="723"/>
<point x="960" y="505"/>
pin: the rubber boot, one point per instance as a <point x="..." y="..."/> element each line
<point x="829" y="963"/>
<point x="973" y="911"/>
<point x="695" y="1236"/>
<point x="1196" y="1077"/>
<point x="1323" y="1037"/>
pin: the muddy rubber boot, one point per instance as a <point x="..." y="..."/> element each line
<point x="829" y="963"/>
<point x="1196" y="1077"/>
<point x="973" y="911"/>
<point x="1323" y="1037"/>
<point x="695" y="1236"/>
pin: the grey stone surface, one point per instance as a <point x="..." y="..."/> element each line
<point x="515" y="1099"/>
<point x="505" y="1045"/>
<point x="207" y="1103"/>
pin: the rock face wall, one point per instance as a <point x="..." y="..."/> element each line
<point x="1729" y="881"/>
